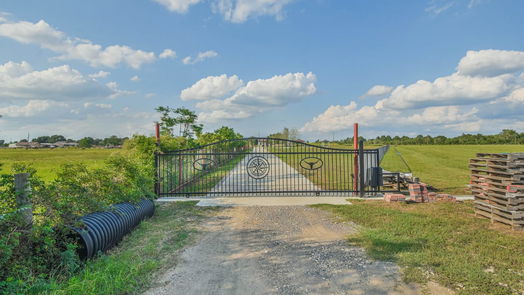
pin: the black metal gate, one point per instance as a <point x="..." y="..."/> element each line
<point x="269" y="166"/>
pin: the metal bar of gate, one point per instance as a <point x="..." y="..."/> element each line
<point x="361" y="168"/>
<point x="227" y="168"/>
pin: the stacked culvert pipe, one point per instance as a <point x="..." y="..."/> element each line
<point x="102" y="230"/>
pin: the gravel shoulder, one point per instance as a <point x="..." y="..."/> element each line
<point x="278" y="250"/>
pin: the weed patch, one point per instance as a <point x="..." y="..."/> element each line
<point x="130" y="267"/>
<point x="443" y="242"/>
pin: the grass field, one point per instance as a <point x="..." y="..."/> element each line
<point x="334" y="174"/>
<point x="46" y="161"/>
<point x="442" y="166"/>
<point x="442" y="242"/>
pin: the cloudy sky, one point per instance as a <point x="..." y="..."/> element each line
<point x="98" y="68"/>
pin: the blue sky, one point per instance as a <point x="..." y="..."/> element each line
<point x="97" y="68"/>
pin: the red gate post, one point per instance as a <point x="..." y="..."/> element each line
<point x="355" y="157"/>
<point x="157" y="133"/>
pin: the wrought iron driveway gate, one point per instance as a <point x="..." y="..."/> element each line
<point x="255" y="166"/>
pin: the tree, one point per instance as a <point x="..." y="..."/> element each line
<point x="86" y="142"/>
<point x="220" y="134"/>
<point x="56" y="138"/>
<point x="286" y="133"/>
<point x="293" y="134"/>
<point x="509" y="136"/>
<point x="41" y="139"/>
<point x="113" y="140"/>
<point x="184" y="118"/>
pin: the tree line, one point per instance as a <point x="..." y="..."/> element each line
<point x="506" y="136"/>
<point x="85" y="142"/>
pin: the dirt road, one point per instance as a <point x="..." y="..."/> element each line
<point x="277" y="250"/>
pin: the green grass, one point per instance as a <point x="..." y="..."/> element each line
<point x="194" y="180"/>
<point x="442" y="242"/>
<point x="335" y="173"/>
<point x="442" y="166"/>
<point x="208" y="180"/>
<point x="46" y="161"/>
<point x="153" y="246"/>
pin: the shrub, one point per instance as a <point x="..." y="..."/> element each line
<point x="34" y="257"/>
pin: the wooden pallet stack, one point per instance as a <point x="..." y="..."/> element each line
<point x="497" y="182"/>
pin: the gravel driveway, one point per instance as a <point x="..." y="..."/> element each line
<point x="277" y="250"/>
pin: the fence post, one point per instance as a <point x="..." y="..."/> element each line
<point x="157" y="160"/>
<point x="361" y="187"/>
<point x="157" y="175"/>
<point x="355" y="157"/>
<point x="22" y="190"/>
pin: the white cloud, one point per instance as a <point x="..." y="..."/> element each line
<point x="238" y="11"/>
<point x="339" y="117"/>
<point x="211" y="87"/>
<point x="135" y="79"/>
<point x="443" y="114"/>
<point x="150" y="95"/>
<point x="110" y="56"/>
<point x="485" y="91"/>
<point x="516" y="96"/>
<point x="40" y="33"/>
<point x="259" y="96"/>
<point x="276" y="91"/>
<point x="491" y="62"/>
<point x="436" y="7"/>
<point x="167" y="53"/>
<point x="97" y="105"/>
<point x="45" y="36"/>
<point x="219" y="115"/>
<point x="180" y="6"/>
<point x="100" y="74"/>
<point x="116" y="91"/>
<point x="448" y="90"/>
<point x="188" y="60"/>
<point x="473" y="3"/>
<point x="32" y="108"/>
<point x="378" y="90"/>
<point x="20" y="81"/>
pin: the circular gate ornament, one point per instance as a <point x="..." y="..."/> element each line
<point x="258" y="167"/>
<point x="203" y="164"/>
<point x="311" y="163"/>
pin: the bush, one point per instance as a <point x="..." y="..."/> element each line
<point x="34" y="257"/>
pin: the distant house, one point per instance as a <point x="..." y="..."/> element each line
<point x="63" y="144"/>
<point x="36" y="145"/>
<point x="48" y="145"/>
<point x="25" y="145"/>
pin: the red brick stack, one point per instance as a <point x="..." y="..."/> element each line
<point x="418" y="192"/>
<point x="390" y="197"/>
<point x="497" y="182"/>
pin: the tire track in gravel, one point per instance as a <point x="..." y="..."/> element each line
<point x="278" y="250"/>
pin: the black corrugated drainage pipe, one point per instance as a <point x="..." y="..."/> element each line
<point x="102" y="230"/>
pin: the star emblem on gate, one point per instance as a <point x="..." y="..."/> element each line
<point x="258" y="167"/>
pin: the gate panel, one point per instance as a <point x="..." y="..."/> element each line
<point x="254" y="166"/>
